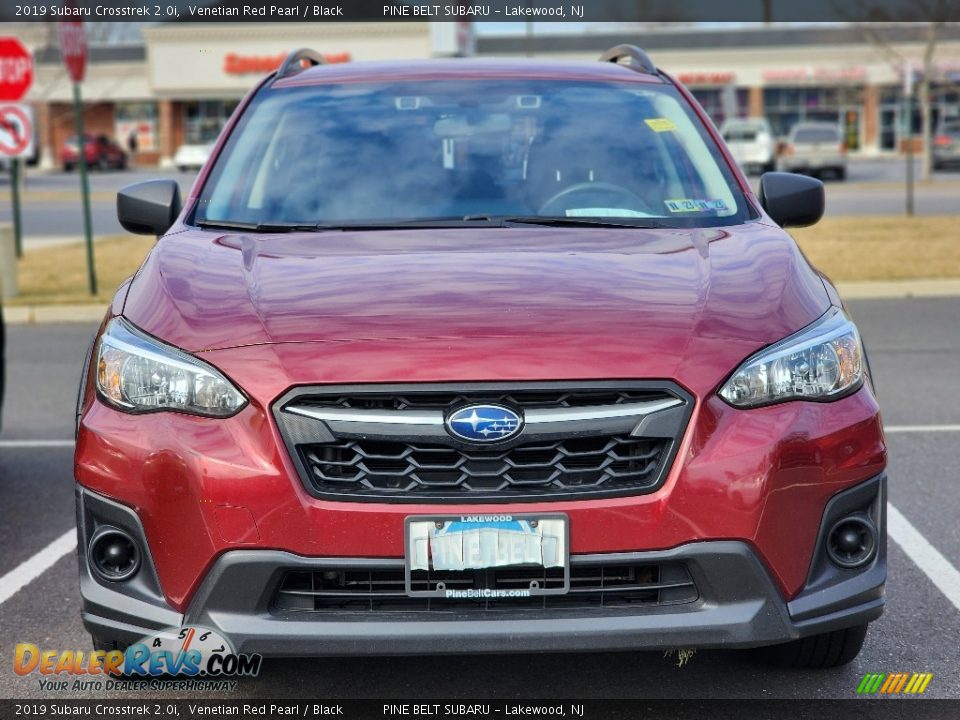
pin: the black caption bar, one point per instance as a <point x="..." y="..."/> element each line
<point x="462" y="709"/>
<point x="496" y="11"/>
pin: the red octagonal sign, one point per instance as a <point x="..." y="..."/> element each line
<point x="73" y="49"/>
<point x="16" y="69"/>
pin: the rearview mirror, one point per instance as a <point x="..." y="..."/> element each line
<point x="791" y="200"/>
<point x="149" y="207"/>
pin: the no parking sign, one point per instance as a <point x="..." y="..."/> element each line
<point x="16" y="130"/>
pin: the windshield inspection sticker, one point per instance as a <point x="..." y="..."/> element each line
<point x="685" y="205"/>
<point x="660" y="124"/>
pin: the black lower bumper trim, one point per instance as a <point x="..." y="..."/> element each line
<point x="738" y="606"/>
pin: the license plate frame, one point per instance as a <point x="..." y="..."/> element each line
<point x="481" y="519"/>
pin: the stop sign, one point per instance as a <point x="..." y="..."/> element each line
<point x="73" y="49"/>
<point x="16" y="69"/>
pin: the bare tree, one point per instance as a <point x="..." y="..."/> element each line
<point x="932" y="16"/>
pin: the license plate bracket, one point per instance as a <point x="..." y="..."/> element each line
<point x="487" y="556"/>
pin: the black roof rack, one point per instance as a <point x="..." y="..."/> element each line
<point x="639" y="60"/>
<point x="294" y="62"/>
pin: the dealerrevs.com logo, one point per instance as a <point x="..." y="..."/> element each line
<point x="191" y="653"/>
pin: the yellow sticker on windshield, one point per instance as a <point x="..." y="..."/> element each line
<point x="660" y="124"/>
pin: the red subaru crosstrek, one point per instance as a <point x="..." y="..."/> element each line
<point x="479" y="356"/>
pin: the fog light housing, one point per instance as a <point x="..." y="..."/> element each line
<point x="852" y="541"/>
<point x="113" y="555"/>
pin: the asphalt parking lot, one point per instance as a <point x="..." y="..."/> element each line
<point x="914" y="349"/>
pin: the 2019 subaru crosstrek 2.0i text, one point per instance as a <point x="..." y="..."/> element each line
<point x="479" y="356"/>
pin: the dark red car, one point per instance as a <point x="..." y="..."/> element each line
<point x="100" y="152"/>
<point x="480" y="356"/>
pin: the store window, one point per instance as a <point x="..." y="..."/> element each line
<point x="723" y="103"/>
<point x="135" y="126"/>
<point x="944" y="103"/>
<point x="204" y="119"/>
<point x="786" y="106"/>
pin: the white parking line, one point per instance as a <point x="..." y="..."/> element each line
<point x="921" y="428"/>
<point x="13" y="444"/>
<point x="924" y="555"/>
<point x="890" y="429"/>
<point x="32" y="568"/>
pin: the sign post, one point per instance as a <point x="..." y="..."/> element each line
<point x="73" y="50"/>
<point x="908" y="130"/>
<point x="16" y="131"/>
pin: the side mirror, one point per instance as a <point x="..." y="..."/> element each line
<point x="791" y="200"/>
<point x="149" y="207"/>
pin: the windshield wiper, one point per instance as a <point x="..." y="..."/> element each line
<point x="558" y="221"/>
<point x="442" y="222"/>
<point x="261" y="227"/>
<point x="452" y="222"/>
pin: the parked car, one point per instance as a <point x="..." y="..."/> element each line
<point x="816" y="148"/>
<point x="479" y="356"/>
<point x="100" y="151"/>
<point x="946" y="144"/>
<point x="192" y="157"/>
<point x="751" y="143"/>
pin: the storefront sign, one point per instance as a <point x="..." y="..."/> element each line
<point x="234" y="64"/>
<point x="145" y="132"/>
<point x="821" y="75"/>
<point x="706" y="78"/>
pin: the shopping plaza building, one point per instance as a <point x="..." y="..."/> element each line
<point x="181" y="84"/>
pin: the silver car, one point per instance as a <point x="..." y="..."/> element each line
<point x="815" y="148"/>
<point x="751" y="142"/>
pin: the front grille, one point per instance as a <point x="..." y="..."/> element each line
<point x="578" y="440"/>
<point x="382" y="589"/>
<point x="424" y="469"/>
<point x="447" y="400"/>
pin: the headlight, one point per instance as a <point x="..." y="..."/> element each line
<point x="824" y="361"/>
<point x="137" y="373"/>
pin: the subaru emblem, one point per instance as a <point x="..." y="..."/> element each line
<point x="484" y="423"/>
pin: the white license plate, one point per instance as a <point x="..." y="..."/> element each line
<point x="467" y="543"/>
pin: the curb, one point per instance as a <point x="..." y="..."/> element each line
<point x="48" y="314"/>
<point x="892" y="289"/>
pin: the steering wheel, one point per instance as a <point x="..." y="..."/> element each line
<point x="620" y="197"/>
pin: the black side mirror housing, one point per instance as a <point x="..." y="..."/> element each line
<point x="150" y="207"/>
<point x="791" y="200"/>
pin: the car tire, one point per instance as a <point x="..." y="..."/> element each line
<point x="840" y="173"/>
<point x="103" y="164"/>
<point x="182" y="168"/>
<point x="827" y="650"/>
<point x="67" y="167"/>
<point x="769" y="167"/>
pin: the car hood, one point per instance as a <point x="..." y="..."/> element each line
<point x="664" y="295"/>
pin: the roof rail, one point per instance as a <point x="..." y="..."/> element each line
<point x="294" y="62"/>
<point x="639" y="60"/>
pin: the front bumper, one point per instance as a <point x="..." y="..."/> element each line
<point x="738" y="603"/>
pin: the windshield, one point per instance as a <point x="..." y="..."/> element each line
<point x="354" y="154"/>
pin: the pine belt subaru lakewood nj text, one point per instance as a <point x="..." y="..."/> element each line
<point x="479" y="356"/>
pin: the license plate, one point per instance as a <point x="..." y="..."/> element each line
<point x="468" y="550"/>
